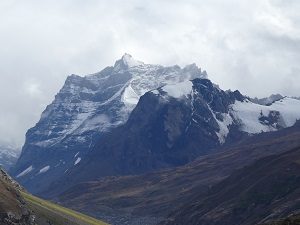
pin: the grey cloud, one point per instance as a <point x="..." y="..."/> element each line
<point x="248" y="45"/>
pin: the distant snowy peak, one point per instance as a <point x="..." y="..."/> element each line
<point x="249" y="116"/>
<point x="126" y="62"/>
<point x="129" y="61"/>
<point x="104" y="100"/>
<point x="147" y="77"/>
<point x="255" y="118"/>
<point x="8" y="155"/>
<point x="179" y="90"/>
<point x="267" y="101"/>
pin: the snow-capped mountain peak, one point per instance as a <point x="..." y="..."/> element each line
<point x="181" y="102"/>
<point x="88" y="106"/>
<point x="126" y="62"/>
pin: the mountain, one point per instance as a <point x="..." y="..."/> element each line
<point x="134" y="118"/>
<point x="84" y="109"/>
<point x="263" y="191"/>
<point x="173" y="125"/>
<point x="151" y="197"/>
<point x="8" y="156"/>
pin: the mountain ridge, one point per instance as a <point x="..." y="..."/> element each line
<point x="173" y="108"/>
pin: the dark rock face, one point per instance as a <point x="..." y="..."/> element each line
<point x="272" y="119"/>
<point x="161" y="132"/>
<point x="269" y="100"/>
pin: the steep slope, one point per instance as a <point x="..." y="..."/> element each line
<point x="8" y="156"/>
<point x="13" y="209"/>
<point x="266" y="190"/>
<point x="84" y="109"/>
<point x="20" y="208"/>
<point x="46" y="213"/>
<point x="155" y="195"/>
<point x="173" y="125"/>
<point x="162" y="132"/>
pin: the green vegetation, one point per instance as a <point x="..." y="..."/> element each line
<point x="49" y="213"/>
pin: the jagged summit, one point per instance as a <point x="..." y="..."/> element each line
<point x="127" y="61"/>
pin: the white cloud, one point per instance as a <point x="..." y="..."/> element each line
<point x="248" y="45"/>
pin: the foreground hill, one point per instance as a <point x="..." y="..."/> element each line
<point x="20" y="208"/>
<point x="48" y="213"/>
<point x="13" y="208"/>
<point x="155" y="195"/>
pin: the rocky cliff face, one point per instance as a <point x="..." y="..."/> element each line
<point x="133" y="118"/>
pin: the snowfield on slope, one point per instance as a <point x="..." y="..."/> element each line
<point x="248" y="114"/>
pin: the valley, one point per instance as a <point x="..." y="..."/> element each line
<point x="150" y="112"/>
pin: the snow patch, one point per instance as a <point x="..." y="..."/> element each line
<point x="25" y="172"/>
<point x="129" y="96"/>
<point x="223" y="126"/>
<point x="156" y="92"/>
<point x="44" y="169"/>
<point x="248" y="114"/>
<point x="77" y="161"/>
<point x="130" y="61"/>
<point x="96" y="122"/>
<point x="178" y="90"/>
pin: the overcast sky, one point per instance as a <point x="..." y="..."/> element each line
<point x="250" y="45"/>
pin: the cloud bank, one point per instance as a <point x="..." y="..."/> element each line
<point x="253" y="46"/>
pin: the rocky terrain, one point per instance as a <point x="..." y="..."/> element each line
<point x="17" y="207"/>
<point x="13" y="209"/>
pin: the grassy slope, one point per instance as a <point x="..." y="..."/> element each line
<point x="57" y="215"/>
